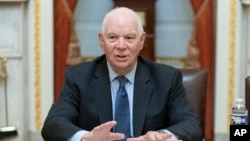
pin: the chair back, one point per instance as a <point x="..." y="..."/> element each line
<point x="247" y="95"/>
<point x="195" y="84"/>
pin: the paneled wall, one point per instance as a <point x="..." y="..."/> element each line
<point x="12" y="43"/>
<point x="27" y="43"/>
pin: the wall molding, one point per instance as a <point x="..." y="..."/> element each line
<point x="37" y="65"/>
<point x="231" y="59"/>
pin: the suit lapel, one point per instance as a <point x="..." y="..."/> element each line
<point x="143" y="90"/>
<point x="102" y="94"/>
<point x="142" y="93"/>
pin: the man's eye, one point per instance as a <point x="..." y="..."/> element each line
<point x="112" y="38"/>
<point x="130" y="38"/>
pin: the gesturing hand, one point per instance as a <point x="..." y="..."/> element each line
<point x="153" y="136"/>
<point x="102" y="133"/>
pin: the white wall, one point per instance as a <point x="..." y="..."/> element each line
<point x="231" y="62"/>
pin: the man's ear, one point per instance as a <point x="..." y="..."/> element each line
<point x="142" y="39"/>
<point x="143" y="36"/>
<point x="101" y="40"/>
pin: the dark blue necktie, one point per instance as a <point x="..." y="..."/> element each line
<point x="122" y="115"/>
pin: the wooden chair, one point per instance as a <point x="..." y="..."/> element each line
<point x="247" y="95"/>
<point x="195" y="84"/>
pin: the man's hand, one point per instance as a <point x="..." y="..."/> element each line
<point x="153" y="136"/>
<point x="102" y="133"/>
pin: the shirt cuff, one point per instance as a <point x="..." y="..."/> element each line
<point x="174" y="137"/>
<point x="78" y="135"/>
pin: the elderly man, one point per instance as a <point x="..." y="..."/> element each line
<point x="121" y="95"/>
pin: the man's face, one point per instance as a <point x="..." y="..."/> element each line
<point x="122" y="43"/>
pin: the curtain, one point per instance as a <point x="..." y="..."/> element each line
<point x="204" y="40"/>
<point x="62" y="34"/>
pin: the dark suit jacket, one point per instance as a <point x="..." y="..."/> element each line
<point x="85" y="101"/>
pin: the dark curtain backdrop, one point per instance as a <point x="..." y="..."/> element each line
<point x="205" y="43"/>
<point x="62" y="32"/>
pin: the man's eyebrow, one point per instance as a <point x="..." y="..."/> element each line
<point x="111" y="33"/>
<point x="131" y="33"/>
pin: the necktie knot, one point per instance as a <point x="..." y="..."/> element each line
<point x="122" y="80"/>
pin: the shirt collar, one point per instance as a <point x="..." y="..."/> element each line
<point x="130" y="76"/>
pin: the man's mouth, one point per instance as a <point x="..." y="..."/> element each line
<point x="121" y="57"/>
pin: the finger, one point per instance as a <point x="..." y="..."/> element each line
<point x="117" y="136"/>
<point x="166" y="136"/>
<point x="159" y="136"/>
<point x="132" y="139"/>
<point x="153" y="135"/>
<point x="105" y="126"/>
<point x="172" y="140"/>
<point x="141" y="138"/>
<point x="150" y="135"/>
<point x="108" y="125"/>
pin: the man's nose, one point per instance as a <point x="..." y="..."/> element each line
<point x="121" y="43"/>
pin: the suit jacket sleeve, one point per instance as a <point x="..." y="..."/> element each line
<point x="183" y="120"/>
<point x="62" y="117"/>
